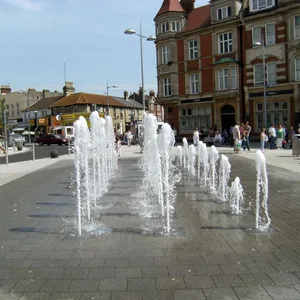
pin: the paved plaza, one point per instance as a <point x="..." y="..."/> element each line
<point x="210" y="254"/>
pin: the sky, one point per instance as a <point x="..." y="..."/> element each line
<point x="39" y="36"/>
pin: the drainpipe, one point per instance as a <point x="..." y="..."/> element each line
<point x="242" y="65"/>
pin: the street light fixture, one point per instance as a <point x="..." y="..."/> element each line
<point x="262" y="45"/>
<point x="151" y="38"/>
<point x="107" y="93"/>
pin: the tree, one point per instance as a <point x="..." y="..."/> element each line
<point x="2" y="109"/>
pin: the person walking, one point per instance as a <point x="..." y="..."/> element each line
<point x="1" y="145"/>
<point x="196" y="137"/>
<point x="118" y="148"/>
<point x="236" y="137"/>
<point x="247" y="130"/>
<point x="272" y="137"/>
<point x="263" y="139"/>
<point x="279" y="136"/>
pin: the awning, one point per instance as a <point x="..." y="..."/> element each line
<point x="18" y="129"/>
<point x="26" y="132"/>
<point x="57" y="128"/>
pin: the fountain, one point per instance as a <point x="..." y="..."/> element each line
<point x="224" y="175"/>
<point x="185" y="152"/>
<point x="236" y="196"/>
<point x="192" y="159"/>
<point x="203" y="164"/>
<point x="180" y="155"/>
<point x="213" y="158"/>
<point x="262" y="219"/>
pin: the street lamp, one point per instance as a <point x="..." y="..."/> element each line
<point x="5" y="136"/>
<point x="151" y="38"/>
<point x="107" y="90"/>
<point x="28" y="112"/>
<point x="262" y="45"/>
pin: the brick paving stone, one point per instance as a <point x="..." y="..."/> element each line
<point x="283" y="278"/>
<point x="141" y="261"/>
<point x="116" y="262"/>
<point x="84" y="285"/>
<point x="10" y="263"/>
<point x="252" y="293"/>
<point x="130" y="253"/>
<point x="181" y="271"/>
<point x="282" y="292"/>
<point x="220" y="294"/>
<point x="75" y="273"/>
<point x="43" y="264"/>
<point x="190" y="260"/>
<point x="287" y="255"/>
<point x="199" y="282"/>
<point x="23" y="274"/>
<point x="264" y="257"/>
<point x="236" y="268"/>
<point x="157" y="295"/>
<point x="84" y="254"/>
<point x="242" y="258"/>
<point x="109" y="285"/>
<point x="152" y="252"/>
<point x="107" y="254"/>
<point x="7" y="285"/>
<point x="56" y="285"/>
<point x="102" y="273"/>
<point x="286" y="266"/>
<point x="34" y="296"/>
<point x="65" y="296"/>
<point x="155" y="271"/>
<point x="68" y="263"/>
<point x="133" y="272"/>
<point x="49" y="273"/>
<point x="165" y="261"/>
<point x="28" y="285"/>
<point x="25" y="264"/>
<point x="126" y="296"/>
<point x="17" y="255"/>
<point x="170" y="283"/>
<point x="61" y="254"/>
<point x="215" y="259"/>
<point x="95" y="296"/>
<point x="39" y="254"/>
<point x="4" y="273"/>
<point x="256" y="279"/>
<point x="260" y="267"/>
<point x="227" y="280"/>
<point x="141" y="284"/>
<point x="196" y="294"/>
<point x="208" y="270"/>
<point x="92" y="263"/>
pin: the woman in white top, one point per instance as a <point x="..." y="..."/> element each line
<point x="196" y="137"/>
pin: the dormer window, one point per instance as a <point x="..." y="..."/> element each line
<point x="176" y="26"/>
<point x="164" y="27"/>
<point x="224" y="13"/>
<point x="261" y="4"/>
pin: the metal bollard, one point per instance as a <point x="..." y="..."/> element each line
<point x="33" y="152"/>
<point x="14" y="146"/>
<point x="69" y="147"/>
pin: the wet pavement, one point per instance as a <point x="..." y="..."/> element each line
<point x="211" y="254"/>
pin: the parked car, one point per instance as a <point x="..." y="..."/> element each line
<point x="51" y="139"/>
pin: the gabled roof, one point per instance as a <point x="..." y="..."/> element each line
<point x="44" y="103"/>
<point x="129" y="102"/>
<point x="85" y="98"/>
<point x="198" y="18"/>
<point x="170" y="6"/>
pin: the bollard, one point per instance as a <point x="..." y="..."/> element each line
<point x="69" y="147"/>
<point x="14" y="146"/>
<point x="33" y="152"/>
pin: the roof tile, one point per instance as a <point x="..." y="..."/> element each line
<point x="170" y="5"/>
<point x="199" y="18"/>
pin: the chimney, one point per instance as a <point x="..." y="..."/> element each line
<point x="68" y="89"/>
<point x="188" y="5"/>
<point x="5" y="89"/>
<point x="126" y="95"/>
<point x="46" y="93"/>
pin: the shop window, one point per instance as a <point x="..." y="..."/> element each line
<point x="191" y="118"/>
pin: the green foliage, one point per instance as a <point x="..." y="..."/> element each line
<point x="2" y="108"/>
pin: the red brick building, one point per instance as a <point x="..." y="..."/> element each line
<point x="206" y="62"/>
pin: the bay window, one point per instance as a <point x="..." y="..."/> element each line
<point x="167" y="86"/>
<point x="165" y="54"/>
<point x="297" y="27"/>
<point x="227" y="78"/>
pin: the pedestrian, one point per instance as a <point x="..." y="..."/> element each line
<point x="1" y="145"/>
<point x="247" y="130"/>
<point x="196" y="137"/>
<point x="236" y="137"/>
<point x="279" y="136"/>
<point x="263" y="139"/>
<point x="272" y="137"/>
<point x="129" y="138"/>
<point x="118" y="148"/>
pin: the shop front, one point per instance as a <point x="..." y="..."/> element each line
<point x="69" y="119"/>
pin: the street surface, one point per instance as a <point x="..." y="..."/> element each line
<point x="211" y="255"/>
<point x="40" y="152"/>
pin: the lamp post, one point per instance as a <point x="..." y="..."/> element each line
<point x="28" y="116"/>
<point x="150" y="38"/>
<point x="107" y="93"/>
<point x="262" y="45"/>
<point x="5" y="136"/>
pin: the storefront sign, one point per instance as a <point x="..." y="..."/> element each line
<point x="272" y="93"/>
<point x="42" y="121"/>
<point x="69" y="119"/>
<point x="196" y="100"/>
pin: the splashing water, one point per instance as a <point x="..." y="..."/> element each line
<point x="180" y="155"/>
<point x="224" y="175"/>
<point x="204" y="164"/>
<point x="192" y="159"/>
<point x="185" y="153"/>
<point x="213" y="158"/>
<point x="236" y="196"/>
<point x="262" y="219"/>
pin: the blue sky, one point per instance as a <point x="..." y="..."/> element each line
<point x="38" y="36"/>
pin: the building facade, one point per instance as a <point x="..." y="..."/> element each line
<point x="209" y="62"/>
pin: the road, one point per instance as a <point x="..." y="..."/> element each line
<point x="40" y="152"/>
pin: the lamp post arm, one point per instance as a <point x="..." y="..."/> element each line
<point x="265" y="86"/>
<point x="142" y="66"/>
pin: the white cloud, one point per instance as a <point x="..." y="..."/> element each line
<point x="26" y="4"/>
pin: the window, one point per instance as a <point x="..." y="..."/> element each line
<point x="256" y="35"/>
<point x="258" y="75"/>
<point x="225" y="42"/>
<point x="12" y="110"/>
<point x="167" y="86"/>
<point x="193" y="49"/>
<point x="272" y="73"/>
<point x="297" y="27"/>
<point x="297" y="69"/>
<point x="165" y="54"/>
<point x="190" y="118"/>
<point x="157" y="30"/>
<point x="270" y="34"/>
<point x="224" y="12"/>
<point x="114" y="113"/>
<point x="176" y="26"/>
<point x="121" y="113"/>
<point x="18" y="108"/>
<point x="262" y="4"/>
<point x="194" y="83"/>
<point x="227" y="78"/>
<point x="164" y="27"/>
<point x="277" y="113"/>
